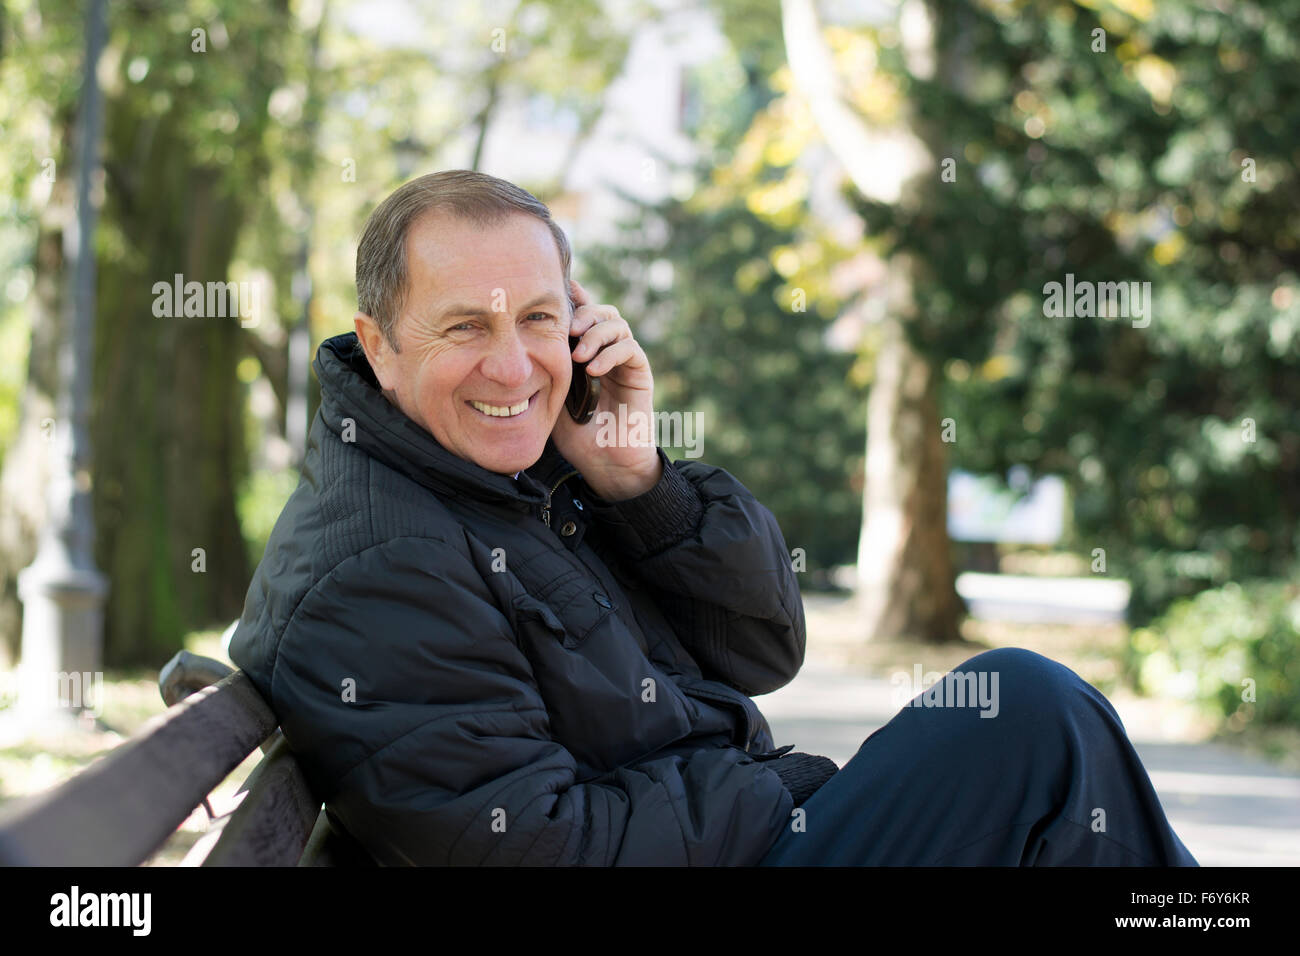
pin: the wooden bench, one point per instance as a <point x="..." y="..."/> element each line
<point x="119" y="810"/>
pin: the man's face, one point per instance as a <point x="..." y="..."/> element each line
<point x="486" y="323"/>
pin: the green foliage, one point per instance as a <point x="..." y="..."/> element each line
<point x="709" y="282"/>
<point x="13" y="345"/>
<point x="779" y="411"/>
<point x="1123" y="165"/>
<point x="1169" y="158"/>
<point x="262" y="497"/>
<point x="1224" y="646"/>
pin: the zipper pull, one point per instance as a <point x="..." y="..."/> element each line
<point x="546" y="508"/>
<point x="771" y="754"/>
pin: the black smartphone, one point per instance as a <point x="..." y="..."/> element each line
<point x="584" y="391"/>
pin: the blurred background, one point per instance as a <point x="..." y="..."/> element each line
<point x="834" y="225"/>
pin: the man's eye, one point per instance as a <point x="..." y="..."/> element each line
<point x="544" y="315"/>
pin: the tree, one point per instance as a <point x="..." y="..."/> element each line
<point x="735" y="310"/>
<point x="905" y="575"/>
<point x="185" y="109"/>
<point x="1117" y="147"/>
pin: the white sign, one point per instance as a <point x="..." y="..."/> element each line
<point x="980" y="509"/>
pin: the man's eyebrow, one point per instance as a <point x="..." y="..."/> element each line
<point x="455" y="311"/>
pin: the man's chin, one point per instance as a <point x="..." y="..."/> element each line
<point x="508" y="465"/>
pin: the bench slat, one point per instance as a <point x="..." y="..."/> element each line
<point x="121" y="808"/>
<point x="271" y="825"/>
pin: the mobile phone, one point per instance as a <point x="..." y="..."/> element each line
<point x="584" y="391"/>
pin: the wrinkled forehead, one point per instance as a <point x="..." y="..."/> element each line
<point x="515" y="252"/>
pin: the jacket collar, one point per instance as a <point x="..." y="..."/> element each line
<point x="349" y="390"/>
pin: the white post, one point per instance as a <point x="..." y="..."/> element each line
<point x="62" y="591"/>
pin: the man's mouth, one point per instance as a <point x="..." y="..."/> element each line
<point x="503" y="411"/>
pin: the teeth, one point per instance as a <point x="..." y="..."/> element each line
<point x="501" y="411"/>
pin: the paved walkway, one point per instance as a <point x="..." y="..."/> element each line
<point x="1228" y="808"/>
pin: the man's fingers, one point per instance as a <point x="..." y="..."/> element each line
<point x="601" y="333"/>
<point x="580" y="295"/>
<point x="589" y="315"/>
<point x="622" y="352"/>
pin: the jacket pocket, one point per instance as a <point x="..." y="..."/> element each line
<point x="528" y="608"/>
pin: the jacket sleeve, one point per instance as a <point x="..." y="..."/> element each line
<point x="401" y="687"/>
<point x="717" y="561"/>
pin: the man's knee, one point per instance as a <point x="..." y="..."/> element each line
<point x="1020" y="685"/>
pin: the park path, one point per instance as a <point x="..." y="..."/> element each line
<point x="1228" y="807"/>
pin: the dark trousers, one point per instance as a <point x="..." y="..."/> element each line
<point x="1049" y="778"/>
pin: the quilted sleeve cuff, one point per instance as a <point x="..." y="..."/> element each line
<point x="654" y="521"/>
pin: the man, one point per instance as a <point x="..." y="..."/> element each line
<point x="492" y="638"/>
<point x="479" y="669"/>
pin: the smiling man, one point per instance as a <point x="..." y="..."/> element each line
<point x="489" y="380"/>
<point x="554" y="669"/>
<point x="491" y="638"/>
<point x="487" y="387"/>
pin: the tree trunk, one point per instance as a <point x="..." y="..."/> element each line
<point x="906" y="586"/>
<point x="168" y="423"/>
<point x="905" y="574"/>
<point x="168" y="427"/>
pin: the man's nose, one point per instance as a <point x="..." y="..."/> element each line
<point x="507" y="360"/>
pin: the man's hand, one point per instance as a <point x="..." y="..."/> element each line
<point x="624" y="462"/>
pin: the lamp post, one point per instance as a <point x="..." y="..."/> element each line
<point x="59" y="674"/>
<point x="408" y="152"/>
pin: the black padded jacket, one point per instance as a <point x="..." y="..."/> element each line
<point x="478" y="670"/>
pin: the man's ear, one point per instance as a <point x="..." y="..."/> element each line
<point x="376" y="347"/>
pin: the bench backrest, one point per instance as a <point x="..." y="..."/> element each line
<point x="119" y="810"/>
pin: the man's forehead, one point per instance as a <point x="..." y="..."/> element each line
<point x="515" y="287"/>
<point x="439" y="226"/>
<point x="464" y="280"/>
<point x="457" y="256"/>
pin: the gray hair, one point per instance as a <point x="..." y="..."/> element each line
<point x="474" y="197"/>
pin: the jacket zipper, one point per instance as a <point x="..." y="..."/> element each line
<point x="546" y="508"/>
